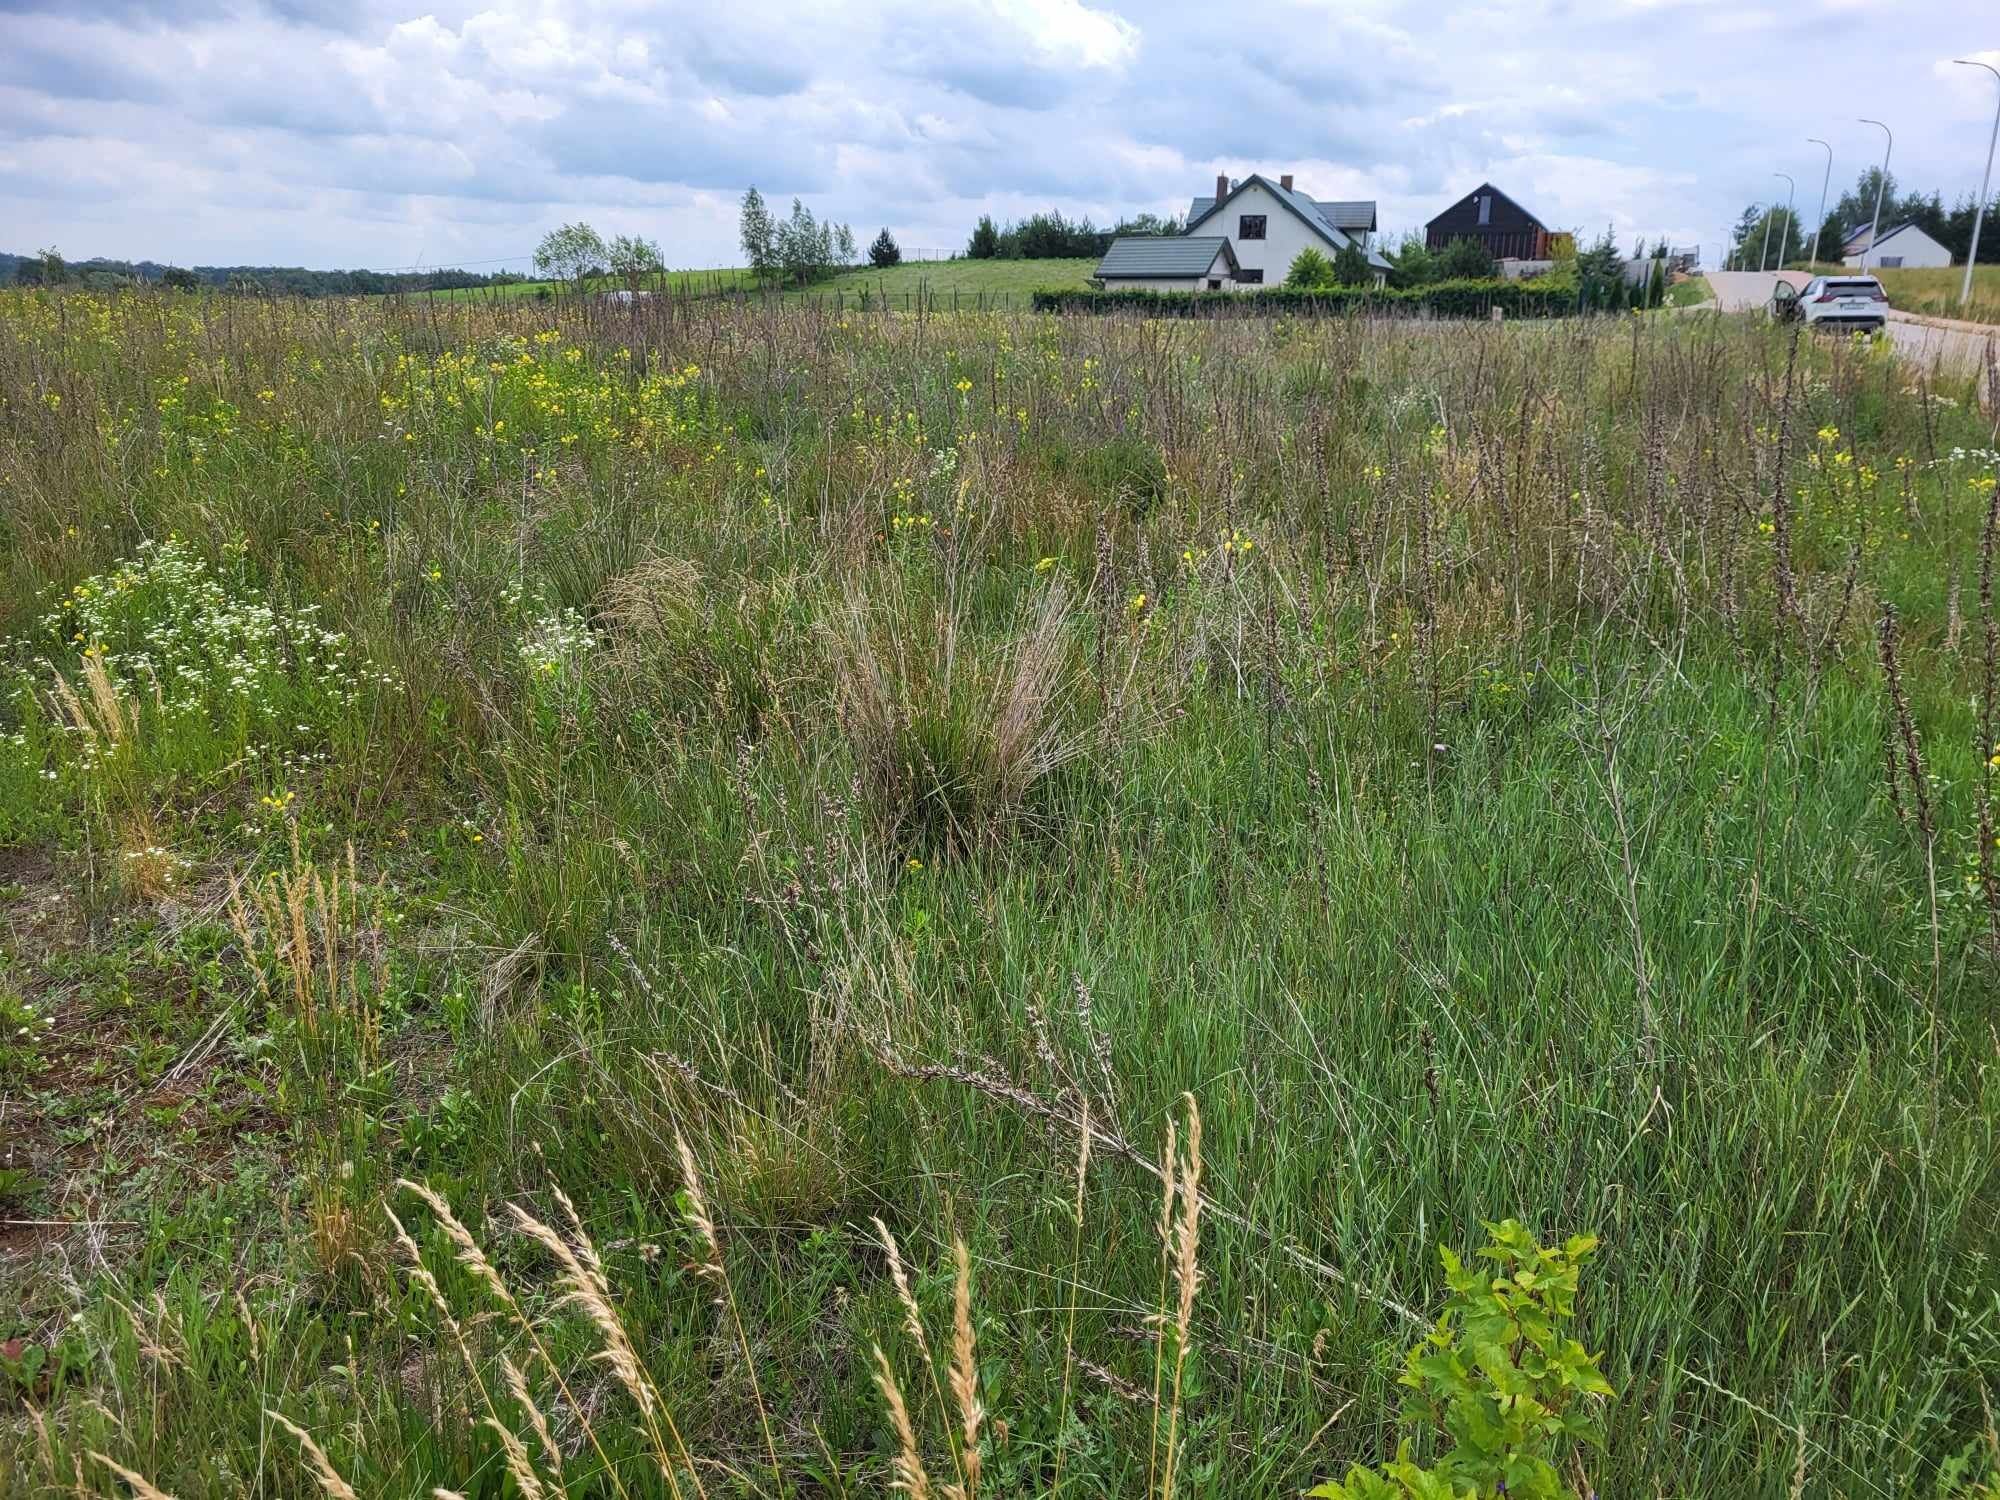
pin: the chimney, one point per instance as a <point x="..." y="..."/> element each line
<point x="1221" y="186"/>
<point x="1285" y="182"/>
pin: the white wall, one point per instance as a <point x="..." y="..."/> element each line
<point x="1284" y="235"/>
<point x="1913" y="246"/>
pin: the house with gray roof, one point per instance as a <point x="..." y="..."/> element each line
<point x="1256" y="228"/>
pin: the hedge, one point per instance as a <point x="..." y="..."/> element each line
<point x="1443" y="299"/>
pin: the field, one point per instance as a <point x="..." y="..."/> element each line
<point x="1014" y="280"/>
<point x="1691" y="292"/>
<point x="1935" y="292"/>
<point x="536" y="840"/>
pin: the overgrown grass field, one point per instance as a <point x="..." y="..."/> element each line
<point x="757" y="901"/>
<point x="1933" y="290"/>
<point x="1014" y="280"/>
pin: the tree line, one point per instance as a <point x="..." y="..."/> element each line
<point x="1770" y="232"/>
<point x="50" y="267"/>
<point x="1049" y="236"/>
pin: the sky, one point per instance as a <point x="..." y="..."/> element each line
<point x="404" y="133"/>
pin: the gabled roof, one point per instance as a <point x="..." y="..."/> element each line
<point x="1353" y="214"/>
<point x="1336" y="223"/>
<point x="1487" y="187"/>
<point x="1136" y="257"/>
<point x="1889" y="234"/>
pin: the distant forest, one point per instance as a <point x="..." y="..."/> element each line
<point x="295" y="281"/>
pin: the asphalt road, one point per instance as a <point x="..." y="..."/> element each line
<point x="1927" y="344"/>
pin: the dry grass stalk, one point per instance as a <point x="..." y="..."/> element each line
<point x="104" y="718"/>
<point x="913" y="1323"/>
<point x="141" y="1487"/>
<point x="517" y="1387"/>
<point x="713" y="1269"/>
<point x="1075" y="1271"/>
<point x="1169" y="1192"/>
<point x="911" y="1477"/>
<point x="297" y="930"/>
<point x="473" y="1257"/>
<point x="581" y="1273"/>
<point x="965" y="1368"/>
<point x="330" y="1482"/>
<point x="1904" y="727"/>
<point x="1187" y="1275"/>
<point x="515" y="1455"/>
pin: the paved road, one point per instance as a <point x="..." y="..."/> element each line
<point x="1927" y="344"/>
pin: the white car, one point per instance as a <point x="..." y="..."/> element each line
<point x="1843" y="302"/>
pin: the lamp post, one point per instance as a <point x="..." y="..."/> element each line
<point x="1785" y="238"/>
<point x="1764" y="249"/>
<point x="1965" y="289"/>
<point x="1826" y="178"/>
<point x="1881" y="183"/>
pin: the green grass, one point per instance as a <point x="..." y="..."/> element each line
<point x="858" y="748"/>
<point x="1934" y="291"/>
<point x="1691" y="292"/>
<point x="1014" y="279"/>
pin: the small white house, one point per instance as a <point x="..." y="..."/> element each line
<point x="1902" y="245"/>
<point x="1168" y="263"/>
<point x="1260" y="226"/>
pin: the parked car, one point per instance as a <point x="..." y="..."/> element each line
<point x="1841" y="302"/>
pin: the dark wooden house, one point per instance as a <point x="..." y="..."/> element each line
<point x="1497" y="222"/>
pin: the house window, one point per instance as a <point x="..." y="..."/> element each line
<point x="1890" y="262"/>
<point x="1250" y="227"/>
<point x="1486" y="208"/>
<point x="1215" y="283"/>
<point x="1254" y="277"/>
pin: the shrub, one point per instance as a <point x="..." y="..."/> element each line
<point x="950" y="733"/>
<point x="1310" y="270"/>
<point x="1464" y="260"/>
<point x="1508" y="1390"/>
<point x="1444" y="299"/>
<point x="1351" y="268"/>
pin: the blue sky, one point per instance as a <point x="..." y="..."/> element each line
<point x="390" y="133"/>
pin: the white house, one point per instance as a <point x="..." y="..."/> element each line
<point x="1903" y="245"/>
<point x="1168" y="263"/>
<point x="1260" y="227"/>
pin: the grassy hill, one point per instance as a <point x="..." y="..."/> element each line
<point x="1013" y="280"/>
<point x="1935" y="292"/>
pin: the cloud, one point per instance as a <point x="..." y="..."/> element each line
<point x="368" y="132"/>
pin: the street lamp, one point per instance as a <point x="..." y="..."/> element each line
<point x="1785" y="238"/>
<point x="1881" y="183"/>
<point x="1965" y="290"/>
<point x="1764" y="249"/>
<point x="1820" y="222"/>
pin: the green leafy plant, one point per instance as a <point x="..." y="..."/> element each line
<point x="1310" y="269"/>
<point x="1509" y="1393"/>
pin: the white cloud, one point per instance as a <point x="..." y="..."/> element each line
<point x="364" y="132"/>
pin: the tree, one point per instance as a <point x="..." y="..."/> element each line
<point x="633" y="258"/>
<point x="1600" y="274"/>
<point x="180" y="279"/>
<point x="1351" y="268"/>
<point x="1310" y="272"/>
<point x="1857" y="204"/>
<point x="1465" y="259"/>
<point x="55" y="270"/>
<point x="843" y="245"/>
<point x="985" y="241"/>
<point x="1412" y="263"/>
<point x="758" y="235"/>
<point x="885" y="252"/>
<point x="1831" y="234"/>
<point x="571" y="253"/>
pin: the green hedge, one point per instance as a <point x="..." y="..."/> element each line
<point x="1444" y="299"/>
